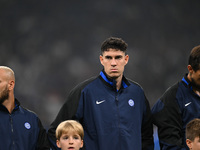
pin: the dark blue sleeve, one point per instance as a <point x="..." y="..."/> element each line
<point x="165" y="146"/>
<point x="167" y="117"/>
<point x="147" y="129"/>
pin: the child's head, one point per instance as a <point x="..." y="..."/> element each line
<point x="193" y="134"/>
<point x="69" y="133"/>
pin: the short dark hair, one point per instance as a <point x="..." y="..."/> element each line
<point x="193" y="129"/>
<point x="194" y="58"/>
<point x="114" y="43"/>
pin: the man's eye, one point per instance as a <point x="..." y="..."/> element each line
<point x="108" y="57"/>
<point x="118" y="57"/>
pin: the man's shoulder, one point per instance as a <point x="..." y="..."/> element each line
<point x="23" y="110"/>
<point x="169" y="96"/>
<point x="173" y="88"/>
<point x="27" y="112"/>
<point x="84" y="83"/>
<point x="132" y="82"/>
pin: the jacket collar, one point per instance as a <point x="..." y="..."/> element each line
<point x="17" y="104"/>
<point x="112" y="82"/>
<point x="186" y="80"/>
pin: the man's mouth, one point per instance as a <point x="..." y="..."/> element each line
<point x="114" y="70"/>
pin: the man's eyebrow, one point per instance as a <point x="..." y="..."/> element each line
<point x="118" y="56"/>
<point x="108" y="56"/>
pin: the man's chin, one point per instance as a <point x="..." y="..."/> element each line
<point x="2" y="101"/>
<point x="195" y="85"/>
<point x="114" y="77"/>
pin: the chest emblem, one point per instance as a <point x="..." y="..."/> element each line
<point x="27" y="125"/>
<point x="131" y="102"/>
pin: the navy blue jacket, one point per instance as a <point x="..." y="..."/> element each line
<point x="118" y="120"/>
<point x="171" y="113"/>
<point x="21" y="130"/>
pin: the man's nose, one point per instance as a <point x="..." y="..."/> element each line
<point x="113" y="62"/>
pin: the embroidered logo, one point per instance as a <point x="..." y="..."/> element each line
<point x="131" y="102"/>
<point x="27" y="125"/>
<point x="188" y="104"/>
<point x="99" y="102"/>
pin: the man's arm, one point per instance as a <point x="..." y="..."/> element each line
<point x="167" y="117"/>
<point x="147" y="129"/>
<point x="67" y="111"/>
<point x="42" y="142"/>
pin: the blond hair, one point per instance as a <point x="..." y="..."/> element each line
<point x="69" y="126"/>
<point x="193" y="129"/>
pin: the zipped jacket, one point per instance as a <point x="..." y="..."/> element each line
<point x="171" y="113"/>
<point x="118" y="120"/>
<point x="21" y="130"/>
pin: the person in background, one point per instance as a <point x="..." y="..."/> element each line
<point x="69" y="135"/>
<point x="112" y="109"/>
<point x="178" y="105"/>
<point x="20" y="129"/>
<point x="193" y="134"/>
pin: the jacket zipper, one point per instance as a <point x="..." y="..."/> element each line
<point x="117" y="103"/>
<point x="12" y="131"/>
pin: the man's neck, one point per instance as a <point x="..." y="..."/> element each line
<point x="197" y="91"/>
<point x="118" y="82"/>
<point x="9" y="104"/>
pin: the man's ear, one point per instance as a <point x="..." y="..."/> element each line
<point x="190" y="69"/>
<point x="189" y="143"/>
<point x="126" y="58"/>
<point x="11" y="85"/>
<point x="101" y="59"/>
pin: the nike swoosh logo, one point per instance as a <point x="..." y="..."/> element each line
<point x="188" y="104"/>
<point x="99" y="102"/>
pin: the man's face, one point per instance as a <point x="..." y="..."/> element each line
<point x="195" y="79"/>
<point x="4" y="92"/>
<point x="194" y="145"/>
<point x="114" y="62"/>
<point x="70" y="141"/>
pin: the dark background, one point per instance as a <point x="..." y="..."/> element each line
<point x="54" y="45"/>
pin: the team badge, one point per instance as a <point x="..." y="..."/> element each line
<point x="131" y="102"/>
<point x="27" y="125"/>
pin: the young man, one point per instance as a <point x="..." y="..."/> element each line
<point x="178" y="105"/>
<point x="69" y="135"/>
<point x="193" y="134"/>
<point x="20" y="129"/>
<point x="113" y="110"/>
